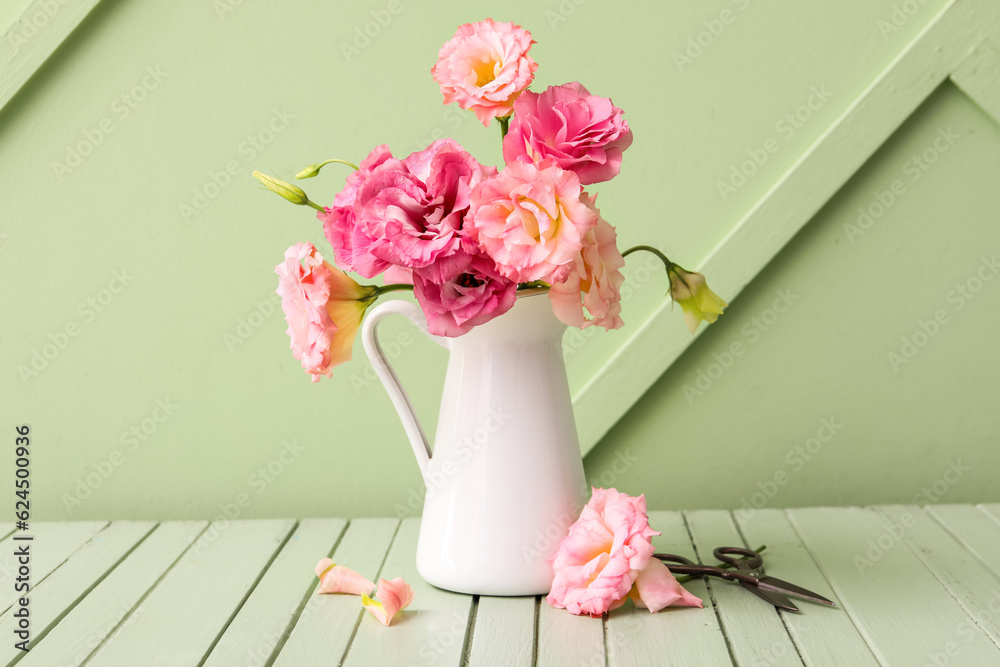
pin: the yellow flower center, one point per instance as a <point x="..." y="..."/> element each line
<point x="486" y="71"/>
<point x="529" y="212"/>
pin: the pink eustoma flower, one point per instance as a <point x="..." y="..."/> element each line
<point x="484" y="67"/>
<point x="339" y="579"/>
<point x="583" y="133"/>
<point x="393" y="596"/>
<point x="594" y="282"/>
<point x="349" y="241"/>
<point x="601" y="557"/>
<point x="323" y="307"/>
<point x="406" y="213"/>
<point x="531" y="220"/>
<point x="469" y="294"/>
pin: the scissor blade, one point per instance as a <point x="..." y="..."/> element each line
<point x="783" y="587"/>
<point x="771" y="597"/>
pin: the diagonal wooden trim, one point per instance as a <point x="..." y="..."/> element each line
<point x="824" y="168"/>
<point x="33" y="37"/>
<point x="979" y="75"/>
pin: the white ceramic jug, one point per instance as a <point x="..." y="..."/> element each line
<point x="505" y="478"/>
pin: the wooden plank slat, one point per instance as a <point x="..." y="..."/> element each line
<point x="324" y="629"/>
<point x="103" y="609"/>
<point x="824" y="636"/>
<point x="972" y="585"/>
<point x="753" y="627"/>
<point x="565" y="639"/>
<point x="974" y="528"/>
<point x="432" y="630"/>
<point x="53" y="543"/>
<point x="504" y="632"/>
<point x="179" y="621"/>
<point x="683" y="636"/>
<point x="265" y="619"/>
<point x="61" y="590"/>
<point x="905" y="613"/>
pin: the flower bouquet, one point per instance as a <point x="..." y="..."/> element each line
<point x="498" y="260"/>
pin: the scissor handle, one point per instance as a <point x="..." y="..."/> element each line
<point x="740" y="558"/>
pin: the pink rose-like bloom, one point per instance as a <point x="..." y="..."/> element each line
<point x="581" y="132"/>
<point x="350" y="243"/>
<point x="484" y="67"/>
<point x="393" y="596"/>
<point x="406" y="213"/>
<point x="601" y="557"/>
<point x="323" y="307"/>
<point x="594" y="281"/>
<point x="339" y="579"/>
<point x="531" y="220"/>
<point x="468" y="296"/>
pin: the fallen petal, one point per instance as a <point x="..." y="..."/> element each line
<point x="656" y="588"/>
<point x="394" y="596"/>
<point x="339" y="579"/>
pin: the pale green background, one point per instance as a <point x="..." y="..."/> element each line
<point x="164" y="337"/>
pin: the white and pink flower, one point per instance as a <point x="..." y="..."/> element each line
<point x="531" y="219"/>
<point x="484" y="67"/>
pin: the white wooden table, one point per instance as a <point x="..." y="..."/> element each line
<point x="915" y="586"/>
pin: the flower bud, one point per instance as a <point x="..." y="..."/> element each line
<point x="313" y="169"/>
<point x="286" y="190"/>
<point x="691" y="291"/>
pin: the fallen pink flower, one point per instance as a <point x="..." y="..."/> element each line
<point x="339" y="579"/>
<point x="393" y="597"/>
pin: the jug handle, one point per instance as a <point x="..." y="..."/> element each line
<point x="385" y="372"/>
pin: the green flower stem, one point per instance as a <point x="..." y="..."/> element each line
<point x="648" y="248"/>
<point x="395" y="287"/>
<point x="313" y="169"/>
<point x="503" y="126"/>
<point x="533" y="285"/>
<point x="316" y="206"/>
<point x="349" y="164"/>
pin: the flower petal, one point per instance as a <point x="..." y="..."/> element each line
<point x="339" y="579"/>
<point x="394" y="596"/>
<point x="656" y="588"/>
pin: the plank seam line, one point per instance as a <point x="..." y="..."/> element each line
<point x="783" y="617"/>
<point x="470" y="628"/>
<point x="250" y="590"/>
<point x="142" y="598"/>
<point x="604" y="638"/>
<point x="968" y="547"/>
<point x="989" y="514"/>
<point x="711" y="595"/>
<point x="361" y="613"/>
<point x="881" y="659"/>
<point x="72" y="605"/>
<point x="287" y="632"/>
<point x="534" y="644"/>
<point x="61" y="563"/>
<point x="948" y="589"/>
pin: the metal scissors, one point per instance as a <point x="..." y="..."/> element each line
<point x="747" y="564"/>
